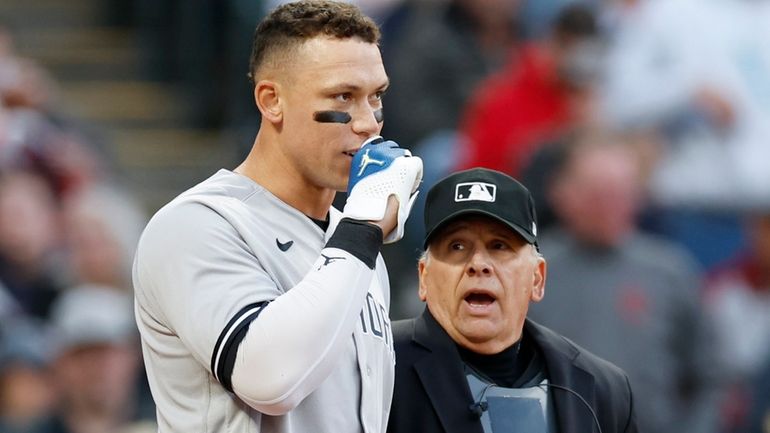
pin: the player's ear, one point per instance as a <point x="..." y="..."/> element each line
<point x="267" y="95"/>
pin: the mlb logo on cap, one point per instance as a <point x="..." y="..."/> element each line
<point x="480" y="191"/>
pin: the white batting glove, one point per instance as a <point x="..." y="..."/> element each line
<point x="380" y="169"/>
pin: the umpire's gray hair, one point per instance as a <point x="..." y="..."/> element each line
<point x="426" y="254"/>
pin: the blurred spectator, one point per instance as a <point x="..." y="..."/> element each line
<point x="23" y="83"/>
<point x="546" y="89"/>
<point x="442" y="52"/>
<point x="26" y="394"/>
<point x="705" y="82"/>
<point x="96" y="363"/>
<point x="539" y="170"/>
<point x="31" y="260"/>
<point x="102" y="227"/>
<point x="628" y="297"/>
<point x="33" y="136"/>
<point x="537" y="16"/>
<point x="31" y="141"/>
<point x="738" y="297"/>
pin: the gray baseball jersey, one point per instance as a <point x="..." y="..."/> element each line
<point x="254" y="319"/>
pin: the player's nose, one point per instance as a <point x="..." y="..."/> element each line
<point x="366" y="121"/>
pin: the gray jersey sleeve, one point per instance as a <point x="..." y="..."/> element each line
<point x="294" y="344"/>
<point x="193" y="272"/>
<point x="270" y="347"/>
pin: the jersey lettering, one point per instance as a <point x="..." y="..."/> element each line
<point x="375" y="321"/>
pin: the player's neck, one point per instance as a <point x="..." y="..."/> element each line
<point x="274" y="173"/>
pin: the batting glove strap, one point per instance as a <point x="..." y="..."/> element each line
<point x="359" y="238"/>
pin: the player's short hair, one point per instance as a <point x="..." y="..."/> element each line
<point x="288" y="25"/>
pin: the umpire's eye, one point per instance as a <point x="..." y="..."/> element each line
<point x="499" y="245"/>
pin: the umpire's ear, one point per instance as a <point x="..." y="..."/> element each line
<point x="538" y="278"/>
<point x="422" y="290"/>
<point x="266" y="95"/>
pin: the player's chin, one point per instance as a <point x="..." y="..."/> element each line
<point x="338" y="183"/>
<point x="341" y="177"/>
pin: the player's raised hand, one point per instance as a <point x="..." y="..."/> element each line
<point x="380" y="169"/>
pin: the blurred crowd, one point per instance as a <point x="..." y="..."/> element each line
<point x="69" y="355"/>
<point x="640" y="126"/>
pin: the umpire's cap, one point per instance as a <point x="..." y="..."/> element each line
<point x="481" y="191"/>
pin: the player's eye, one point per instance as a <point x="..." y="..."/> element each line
<point x="344" y="97"/>
<point x="378" y="95"/>
<point x="456" y="246"/>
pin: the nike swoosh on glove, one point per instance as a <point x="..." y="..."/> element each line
<point x="380" y="169"/>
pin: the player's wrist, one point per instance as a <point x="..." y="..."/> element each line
<point x="362" y="239"/>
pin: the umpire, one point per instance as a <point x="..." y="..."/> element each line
<point x="473" y="362"/>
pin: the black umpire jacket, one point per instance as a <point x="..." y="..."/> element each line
<point x="432" y="395"/>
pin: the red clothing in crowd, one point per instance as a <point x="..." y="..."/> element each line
<point x="515" y="110"/>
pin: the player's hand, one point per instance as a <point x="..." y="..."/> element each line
<point x="380" y="170"/>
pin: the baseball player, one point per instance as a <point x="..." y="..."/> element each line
<point x="262" y="308"/>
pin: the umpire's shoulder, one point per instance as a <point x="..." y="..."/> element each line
<point x="557" y="346"/>
<point x="403" y="330"/>
<point x="407" y="350"/>
<point x="608" y="376"/>
<point x="613" y="393"/>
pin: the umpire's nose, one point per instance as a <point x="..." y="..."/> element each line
<point x="479" y="264"/>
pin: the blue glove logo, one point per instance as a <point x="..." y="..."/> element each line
<point x="374" y="156"/>
<point x="366" y="160"/>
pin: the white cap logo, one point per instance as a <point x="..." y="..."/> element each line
<point x="475" y="191"/>
<point x="534" y="228"/>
